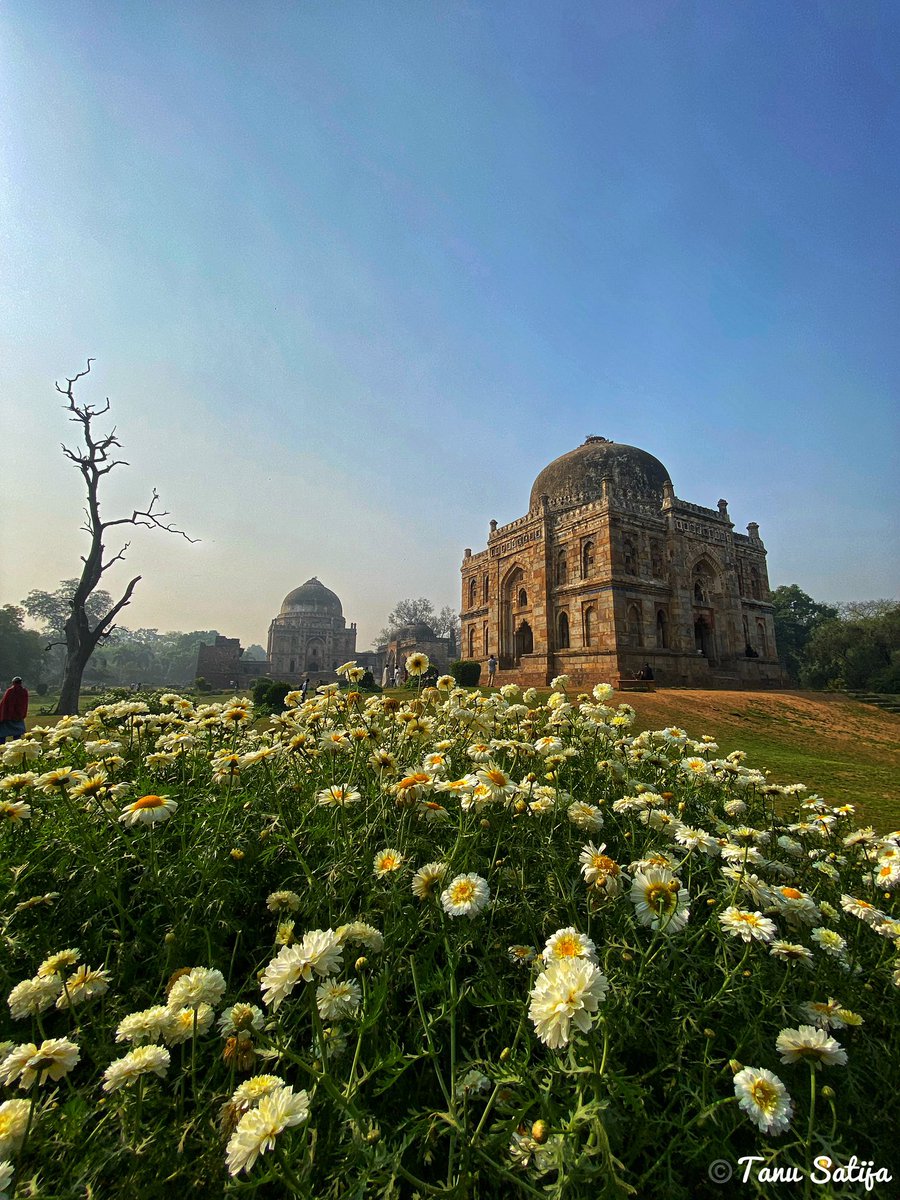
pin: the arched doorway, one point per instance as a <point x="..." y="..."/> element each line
<point x="703" y="639"/>
<point x="523" y="642"/>
<point x="512" y="618"/>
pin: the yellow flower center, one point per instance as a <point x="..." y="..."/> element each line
<point x="463" y="892"/>
<point x="567" y="947"/>
<point x="790" y="893"/>
<point x="662" y="896"/>
<point x="764" y="1095"/>
<point x="496" y="777"/>
<point x="149" y="802"/>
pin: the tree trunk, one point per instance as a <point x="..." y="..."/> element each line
<point x="70" y="693"/>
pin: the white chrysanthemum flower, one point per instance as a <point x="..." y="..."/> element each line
<point x="521" y="956"/>
<point x="465" y="896"/>
<point x="251" y="1091"/>
<point x="862" y="910"/>
<point x="241" y="1018"/>
<point x="14" y="1117"/>
<point x="337" y="999"/>
<point x="259" y="1127"/>
<point x="319" y="952"/>
<point x="417" y="664"/>
<point x="499" y="785"/>
<point x="59" y="963"/>
<point x="587" y="817"/>
<point x="148" y="1025"/>
<point x="696" y="839"/>
<point x="143" y="1060"/>
<point x="201" y="985"/>
<point x="830" y="1014"/>
<point x="764" y="1099"/>
<point x="795" y="906"/>
<point x="339" y="795"/>
<point x="82" y="985"/>
<point x="14" y="810"/>
<point x="427" y="879"/>
<point x="148" y="810"/>
<point x="809" y="1044"/>
<point x="387" y="861"/>
<point x="185" y="1023"/>
<point x="791" y="952"/>
<point x="360" y="933"/>
<point x="6" y="1174"/>
<point x="566" y="994"/>
<point x="659" y="900"/>
<point x="750" y="926"/>
<point x="568" y="943"/>
<point x="829" y="941"/>
<point x="28" y="1063"/>
<point x="33" y="996"/>
<point x="284" y="901"/>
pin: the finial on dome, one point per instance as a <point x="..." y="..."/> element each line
<point x="592" y="438"/>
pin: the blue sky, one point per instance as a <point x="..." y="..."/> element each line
<point x="353" y="273"/>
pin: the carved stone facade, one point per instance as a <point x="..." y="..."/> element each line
<point x="310" y="636"/>
<point x="609" y="571"/>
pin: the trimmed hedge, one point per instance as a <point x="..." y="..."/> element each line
<point x="466" y="672"/>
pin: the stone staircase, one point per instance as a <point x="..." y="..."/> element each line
<point x="887" y="702"/>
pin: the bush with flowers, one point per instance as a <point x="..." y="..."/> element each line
<point x="447" y="945"/>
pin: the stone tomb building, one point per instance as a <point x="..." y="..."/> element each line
<point x="309" y="636"/>
<point x="608" y="571"/>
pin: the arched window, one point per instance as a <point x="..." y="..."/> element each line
<point x="472" y="587"/>
<point x="485" y="589"/>
<point x="523" y="598"/>
<point x="293" y="666"/>
<point x="590" y="624"/>
<point x="754" y="583"/>
<point x="629" y="554"/>
<point x="635" y="625"/>
<point x="471" y="641"/>
<point x="562" y="631"/>
<point x="762" y="640"/>
<point x="662" y="629"/>
<point x="587" y="560"/>
<point x="747" y="643"/>
<point x="702" y="582"/>
<point x="562" y="568"/>
<point x="485" y="640"/>
<point x="656" y="560"/>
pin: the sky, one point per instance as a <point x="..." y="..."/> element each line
<point x="354" y="273"/>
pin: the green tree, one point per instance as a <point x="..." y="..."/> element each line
<point x="861" y="653"/>
<point x="414" y="612"/>
<point x="796" y="616"/>
<point x="21" y="649"/>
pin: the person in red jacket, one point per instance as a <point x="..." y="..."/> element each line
<point x="13" y="711"/>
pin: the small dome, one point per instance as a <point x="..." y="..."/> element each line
<point x="577" y="476"/>
<point x="418" y="632"/>
<point x="312" y="597"/>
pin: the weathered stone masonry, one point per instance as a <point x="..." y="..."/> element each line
<point x="609" y="570"/>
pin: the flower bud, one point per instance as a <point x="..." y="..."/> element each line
<point x="540" y="1132"/>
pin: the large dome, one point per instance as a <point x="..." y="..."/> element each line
<point x="576" y="476"/>
<point x="312" y="597"/>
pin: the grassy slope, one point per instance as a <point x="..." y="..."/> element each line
<point x="846" y="751"/>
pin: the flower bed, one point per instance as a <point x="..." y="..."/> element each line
<point x="458" y="945"/>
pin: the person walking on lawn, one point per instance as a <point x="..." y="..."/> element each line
<point x="13" y="711"/>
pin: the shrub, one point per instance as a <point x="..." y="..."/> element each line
<point x="269" y="694"/>
<point x="201" y="684"/>
<point x="466" y="672"/>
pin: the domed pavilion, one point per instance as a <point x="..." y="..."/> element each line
<point x="310" y="636"/>
<point x="610" y="576"/>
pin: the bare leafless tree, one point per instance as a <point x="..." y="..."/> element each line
<point x="95" y="460"/>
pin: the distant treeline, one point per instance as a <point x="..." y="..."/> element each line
<point x="853" y="646"/>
